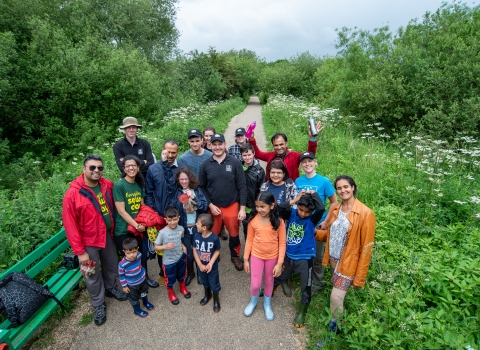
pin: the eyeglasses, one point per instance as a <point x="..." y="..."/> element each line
<point x="183" y="180"/>
<point x="93" y="167"/>
<point x="130" y="166"/>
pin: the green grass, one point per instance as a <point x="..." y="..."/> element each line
<point x="422" y="288"/>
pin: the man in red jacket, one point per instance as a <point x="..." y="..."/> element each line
<point x="88" y="220"/>
<point x="280" y="145"/>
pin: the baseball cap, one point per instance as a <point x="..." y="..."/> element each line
<point x="240" y="132"/>
<point x="217" y="137"/>
<point x="307" y="155"/>
<point x="194" y="133"/>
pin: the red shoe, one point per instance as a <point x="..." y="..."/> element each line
<point x="184" y="290"/>
<point x="171" y="295"/>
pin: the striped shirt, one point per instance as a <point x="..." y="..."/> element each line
<point x="131" y="273"/>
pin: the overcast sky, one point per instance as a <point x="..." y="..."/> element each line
<point x="277" y="29"/>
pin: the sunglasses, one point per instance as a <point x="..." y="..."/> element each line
<point x="93" y="167"/>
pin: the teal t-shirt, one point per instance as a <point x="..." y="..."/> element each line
<point x="103" y="206"/>
<point x="131" y="195"/>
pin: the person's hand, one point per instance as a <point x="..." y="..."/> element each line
<point x="319" y="128"/>
<point x="208" y="267"/>
<point x="214" y="209"/>
<point x="203" y="268"/>
<point x="299" y="195"/>
<point x="323" y="225"/>
<point x="145" y="161"/>
<point x="83" y="258"/>
<point x="246" y="266"/>
<point x="189" y="193"/>
<point x="277" y="270"/>
<point x="126" y="290"/>
<point x="357" y="287"/>
<point x="170" y="245"/>
<point x="164" y="155"/>
<point x="253" y="134"/>
<point x="140" y="228"/>
<point x="241" y="214"/>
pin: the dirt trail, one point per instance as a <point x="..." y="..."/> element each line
<point x="189" y="325"/>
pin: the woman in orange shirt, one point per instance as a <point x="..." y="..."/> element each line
<point x="265" y="247"/>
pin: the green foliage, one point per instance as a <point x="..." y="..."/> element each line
<point x="422" y="287"/>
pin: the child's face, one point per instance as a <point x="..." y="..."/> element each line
<point x="131" y="255"/>
<point x="303" y="211"/>
<point x="173" y="221"/>
<point x="200" y="227"/>
<point x="248" y="157"/>
<point x="263" y="209"/>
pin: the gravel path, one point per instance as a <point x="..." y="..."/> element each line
<point x="189" y="325"/>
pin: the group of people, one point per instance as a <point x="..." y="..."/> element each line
<point x="174" y="210"/>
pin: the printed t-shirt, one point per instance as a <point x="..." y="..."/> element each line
<point x="103" y="206"/>
<point x="168" y="235"/>
<point x="278" y="192"/>
<point x="206" y="246"/>
<point x="131" y="195"/>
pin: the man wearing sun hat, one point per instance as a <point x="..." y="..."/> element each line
<point x="132" y="145"/>
<point x="196" y="155"/>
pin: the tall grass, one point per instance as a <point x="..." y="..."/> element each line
<point x="422" y="290"/>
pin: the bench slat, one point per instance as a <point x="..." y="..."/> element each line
<point x="30" y="259"/>
<point x="47" y="260"/>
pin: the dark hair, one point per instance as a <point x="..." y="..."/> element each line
<point x="171" y="212"/>
<point x="307" y="201"/>
<point x="246" y="147"/>
<point x="192" y="179"/>
<point x="278" y="164"/>
<point x="130" y="243"/>
<point x="268" y="198"/>
<point x="139" y="179"/>
<point x="92" y="157"/>
<point x="208" y="128"/>
<point x="349" y="180"/>
<point x="206" y="220"/>
<point x="172" y="142"/>
<point x="279" y="134"/>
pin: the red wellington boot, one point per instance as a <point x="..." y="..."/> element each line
<point x="171" y="295"/>
<point x="184" y="290"/>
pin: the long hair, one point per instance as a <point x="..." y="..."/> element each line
<point x="139" y="177"/>
<point x="269" y="199"/>
<point x="192" y="179"/>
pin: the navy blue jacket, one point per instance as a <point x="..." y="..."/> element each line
<point x="156" y="192"/>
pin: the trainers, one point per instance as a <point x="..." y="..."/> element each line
<point x="237" y="262"/>
<point x="116" y="293"/>
<point x="99" y="315"/>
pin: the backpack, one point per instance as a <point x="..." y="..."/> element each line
<point x="21" y="297"/>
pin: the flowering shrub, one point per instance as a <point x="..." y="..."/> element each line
<point x="422" y="289"/>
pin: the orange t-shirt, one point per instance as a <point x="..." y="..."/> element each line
<point x="264" y="242"/>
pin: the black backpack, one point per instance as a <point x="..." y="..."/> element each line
<point x="21" y="296"/>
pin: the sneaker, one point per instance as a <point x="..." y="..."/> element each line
<point x="116" y="293"/>
<point x="223" y="234"/>
<point x="99" y="315"/>
<point x="237" y="262"/>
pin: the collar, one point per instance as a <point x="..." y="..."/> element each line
<point x="135" y="143"/>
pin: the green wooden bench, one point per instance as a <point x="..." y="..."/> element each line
<point x="60" y="284"/>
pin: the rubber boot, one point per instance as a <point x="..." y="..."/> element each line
<point x="302" y="312"/>
<point x="137" y="310"/>
<point x="184" y="290"/>
<point x="251" y="306"/>
<point x="286" y="289"/>
<point x="147" y="304"/>
<point x="268" y="308"/>
<point x="171" y="295"/>
<point x="207" y="297"/>
<point x="191" y="272"/>
<point x="216" y="303"/>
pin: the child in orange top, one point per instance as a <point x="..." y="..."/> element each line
<point x="265" y="247"/>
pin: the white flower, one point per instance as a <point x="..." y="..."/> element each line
<point x="75" y="159"/>
<point x="440" y="194"/>
<point x="475" y="200"/>
<point x="477" y="216"/>
<point x="74" y="163"/>
<point x="90" y="147"/>
<point x="459" y="202"/>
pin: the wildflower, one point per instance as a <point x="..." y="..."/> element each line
<point x="477" y="216"/>
<point x="459" y="202"/>
<point x="75" y="159"/>
<point x="410" y="188"/>
<point x="440" y="194"/>
<point x="67" y="172"/>
<point x="433" y="204"/>
<point x="36" y="162"/>
<point x="74" y="163"/>
<point x="90" y="147"/>
<point x="475" y="200"/>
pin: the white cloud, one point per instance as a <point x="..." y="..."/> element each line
<point x="282" y="28"/>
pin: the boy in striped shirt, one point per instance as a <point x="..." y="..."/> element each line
<point x="132" y="277"/>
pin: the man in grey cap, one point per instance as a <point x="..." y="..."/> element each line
<point x="132" y="145"/>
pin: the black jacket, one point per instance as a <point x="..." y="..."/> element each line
<point x="255" y="177"/>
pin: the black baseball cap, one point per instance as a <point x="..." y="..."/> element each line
<point x="194" y="133"/>
<point x="217" y="137"/>
<point x="307" y="155"/>
<point x="240" y="132"/>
